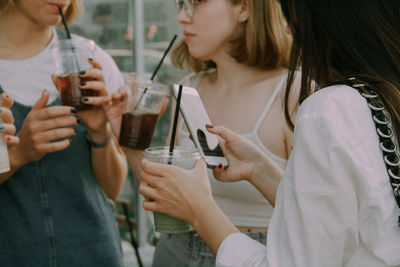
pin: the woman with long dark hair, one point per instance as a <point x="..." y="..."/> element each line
<point x="338" y="202"/>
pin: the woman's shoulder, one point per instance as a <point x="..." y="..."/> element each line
<point x="338" y="109"/>
<point x="330" y="100"/>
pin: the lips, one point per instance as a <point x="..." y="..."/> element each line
<point x="188" y="36"/>
<point x="56" y="6"/>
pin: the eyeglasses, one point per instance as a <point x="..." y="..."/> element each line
<point x="187" y="4"/>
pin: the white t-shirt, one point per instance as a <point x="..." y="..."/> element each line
<point x="335" y="205"/>
<point x="25" y="80"/>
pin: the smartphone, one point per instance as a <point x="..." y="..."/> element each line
<point x="196" y="118"/>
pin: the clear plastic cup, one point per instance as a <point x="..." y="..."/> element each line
<point x="4" y="160"/>
<point x="71" y="57"/>
<point x="142" y="108"/>
<point x="184" y="157"/>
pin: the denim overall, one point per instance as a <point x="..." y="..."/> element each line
<point x="53" y="212"/>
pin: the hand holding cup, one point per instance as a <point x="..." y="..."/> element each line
<point x="7" y="126"/>
<point x="173" y="190"/>
<point x="44" y="130"/>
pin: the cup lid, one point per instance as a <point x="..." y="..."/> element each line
<point x="148" y="85"/>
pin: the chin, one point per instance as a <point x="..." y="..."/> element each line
<point x="52" y="21"/>
<point x="198" y="54"/>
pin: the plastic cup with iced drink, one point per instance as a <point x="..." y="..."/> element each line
<point x="184" y="157"/>
<point x="4" y="160"/>
<point x="70" y="57"/>
<point x="142" y="108"/>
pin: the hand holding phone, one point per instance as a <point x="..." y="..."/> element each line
<point x="196" y="119"/>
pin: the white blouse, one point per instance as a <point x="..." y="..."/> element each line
<point x="335" y="205"/>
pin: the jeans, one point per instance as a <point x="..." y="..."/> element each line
<point x="189" y="250"/>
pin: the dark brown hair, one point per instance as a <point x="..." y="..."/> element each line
<point x="261" y="43"/>
<point x="335" y="39"/>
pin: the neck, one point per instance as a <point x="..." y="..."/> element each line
<point x="232" y="75"/>
<point x="20" y="37"/>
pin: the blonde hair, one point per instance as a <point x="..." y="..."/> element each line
<point x="73" y="10"/>
<point x="262" y="42"/>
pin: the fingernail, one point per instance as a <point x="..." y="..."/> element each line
<point x="209" y="126"/>
<point x="1" y="126"/>
<point x="220" y="166"/>
<point x="82" y="83"/>
<point x="91" y="59"/>
<point x="8" y="138"/>
<point x="82" y="72"/>
<point x="85" y="99"/>
<point x="73" y="110"/>
<point x="7" y="96"/>
<point x="44" y="91"/>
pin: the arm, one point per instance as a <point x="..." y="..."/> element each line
<point x="316" y="214"/>
<point x="186" y="195"/>
<point x="315" y="219"/>
<point x="108" y="162"/>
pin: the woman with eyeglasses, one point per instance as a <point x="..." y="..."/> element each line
<point x="238" y="52"/>
<point x="338" y="201"/>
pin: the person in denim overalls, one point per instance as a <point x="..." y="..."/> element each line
<point x="55" y="207"/>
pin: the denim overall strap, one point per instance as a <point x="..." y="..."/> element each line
<point x="53" y="213"/>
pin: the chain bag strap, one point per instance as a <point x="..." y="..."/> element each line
<point x="384" y="128"/>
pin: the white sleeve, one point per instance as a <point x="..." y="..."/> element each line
<point x="321" y="197"/>
<point x="112" y="76"/>
<point x="240" y="250"/>
<point x="315" y="221"/>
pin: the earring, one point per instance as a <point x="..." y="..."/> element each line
<point x="242" y="19"/>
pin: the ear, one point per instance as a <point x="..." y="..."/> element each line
<point x="242" y="11"/>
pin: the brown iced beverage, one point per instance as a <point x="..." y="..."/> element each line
<point x="142" y="108"/>
<point x="137" y="130"/>
<point x="71" y="95"/>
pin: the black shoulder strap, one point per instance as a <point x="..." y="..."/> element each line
<point x="384" y="128"/>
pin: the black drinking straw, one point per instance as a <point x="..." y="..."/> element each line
<point x="69" y="36"/>
<point x="177" y="107"/>
<point x="157" y="68"/>
<point x="163" y="57"/>
<point x="64" y="22"/>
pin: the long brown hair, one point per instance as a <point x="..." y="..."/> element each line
<point x="336" y="39"/>
<point x="261" y="43"/>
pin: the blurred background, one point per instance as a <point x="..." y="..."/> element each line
<point x="135" y="33"/>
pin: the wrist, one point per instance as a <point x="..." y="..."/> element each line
<point x="100" y="135"/>
<point x="99" y="139"/>
<point x="17" y="160"/>
<point x="260" y="168"/>
<point x="201" y="211"/>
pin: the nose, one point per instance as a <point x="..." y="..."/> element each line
<point x="183" y="17"/>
